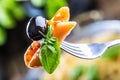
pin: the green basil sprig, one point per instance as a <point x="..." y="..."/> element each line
<point x="50" y="52"/>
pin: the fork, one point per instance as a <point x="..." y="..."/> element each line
<point x="88" y="51"/>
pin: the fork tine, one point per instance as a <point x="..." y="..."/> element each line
<point x="71" y="47"/>
<point x="66" y="49"/>
<point x="69" y="44"/>
<point x="77" y="54"/>
<point x="71" y="50"/>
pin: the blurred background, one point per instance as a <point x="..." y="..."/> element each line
<point x="14" y="15"/>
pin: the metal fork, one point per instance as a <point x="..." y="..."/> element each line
<point x="88" y="51"/>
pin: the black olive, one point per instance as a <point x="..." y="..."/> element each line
<point x="36" y="28"/>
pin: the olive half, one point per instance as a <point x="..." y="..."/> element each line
<point x="36" y="28"/>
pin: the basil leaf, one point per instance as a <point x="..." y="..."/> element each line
<point x="49" y="33"/>
<point x="53" y="39"/>
<point x="51" y="48"/>
<point x="50" y="56"/>
<point x="50" y="52"/>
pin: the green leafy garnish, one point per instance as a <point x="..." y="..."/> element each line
<point x="52" y="6"/>
<point x="10" y="11"/>
<point x="50" y="52"/>
<point x="38" y="3"/>
<point x="112" y="53"/>
<point x="77" y="72"/>
<point x="2" y="36"/>
<point x="93" y="73"/>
